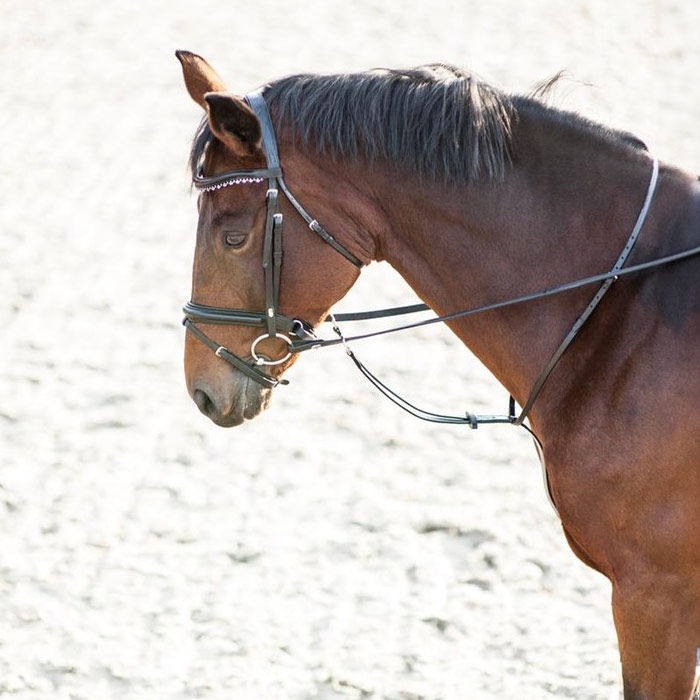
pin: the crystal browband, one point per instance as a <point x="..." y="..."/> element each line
<point x="227" y="183"/>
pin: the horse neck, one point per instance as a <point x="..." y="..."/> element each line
<point x="563" y="212"/>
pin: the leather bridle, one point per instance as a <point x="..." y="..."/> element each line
<point x="299" y="335"/>
<point x="275" y="325"/>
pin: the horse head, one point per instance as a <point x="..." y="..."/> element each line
<point x="246" y="305"/>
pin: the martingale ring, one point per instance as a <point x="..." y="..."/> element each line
<point x="261" y="361"/>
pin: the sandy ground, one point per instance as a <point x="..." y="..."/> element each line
<point x="334" y="548"/>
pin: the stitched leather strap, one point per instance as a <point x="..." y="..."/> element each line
<point x="238" y="177"/>
<point x="597" y="298"/>
<point x="225" y="354"/>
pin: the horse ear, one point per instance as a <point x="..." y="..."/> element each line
<point x="200" y="77"/>
<point x="234" y="123"/>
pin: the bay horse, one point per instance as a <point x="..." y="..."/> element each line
<point x="474" y="197"/>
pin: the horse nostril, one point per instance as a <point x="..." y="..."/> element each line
<point x="204" y="403"/>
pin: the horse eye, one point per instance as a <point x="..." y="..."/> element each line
<point x="234" y="240"/>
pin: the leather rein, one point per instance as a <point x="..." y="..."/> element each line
<point x="299" y="335"/>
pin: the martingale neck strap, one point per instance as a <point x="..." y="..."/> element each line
<point x="597" y="298"/>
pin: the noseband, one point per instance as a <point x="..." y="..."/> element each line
<point x="276" y="325"/>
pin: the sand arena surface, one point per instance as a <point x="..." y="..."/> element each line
<point x="335" y="548"/>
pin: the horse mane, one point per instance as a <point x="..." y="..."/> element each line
<point x="438" y="121"/>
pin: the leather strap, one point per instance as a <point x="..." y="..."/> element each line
<point x="257" y="103"/>
<point x="597" y="298"/>
<point x="238" y="177"/>
<point x="220" y="316"/>
<point x="225" y="354"/>
<point x="272" y="222"/>
<point x="259" y="106"/>
<point x="317" y="228"/>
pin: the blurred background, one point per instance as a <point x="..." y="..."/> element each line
<point x="334" y="548"/>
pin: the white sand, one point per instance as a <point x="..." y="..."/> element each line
<point x="334" y="548"/>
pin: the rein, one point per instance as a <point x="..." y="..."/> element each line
<point x="299" y="336"/>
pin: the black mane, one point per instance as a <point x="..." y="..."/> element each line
<point x="438" y="121"/>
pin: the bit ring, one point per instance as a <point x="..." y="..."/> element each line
<point x="262" y="361"/>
